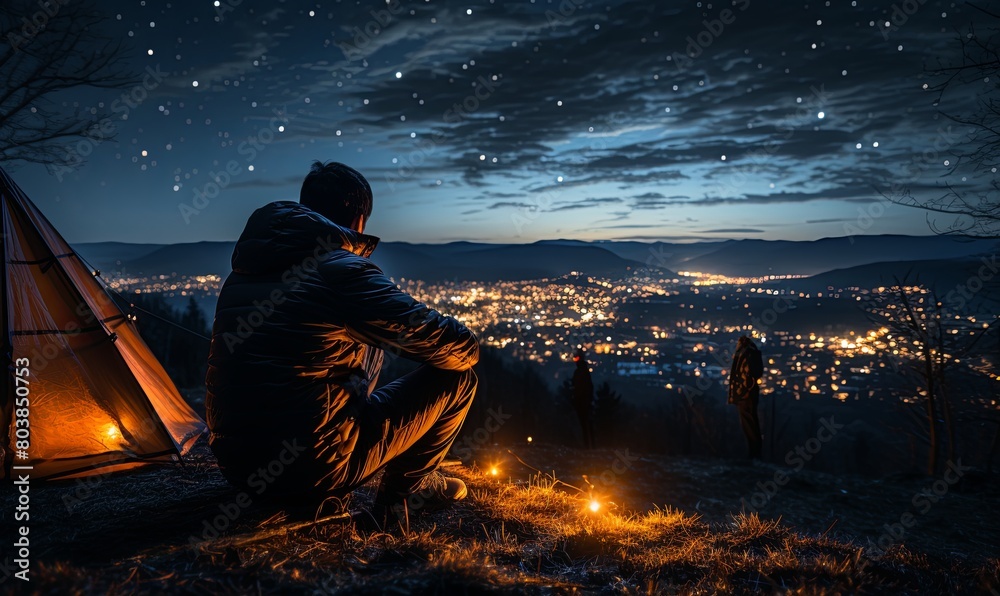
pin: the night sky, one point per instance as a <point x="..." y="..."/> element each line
<point x="523" y="120"/>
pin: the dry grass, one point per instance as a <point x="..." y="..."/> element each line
<point x="537" y="536"/>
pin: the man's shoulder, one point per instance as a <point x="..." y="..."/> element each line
<point x="341" y="263"/>
<point x="343" y="258"/>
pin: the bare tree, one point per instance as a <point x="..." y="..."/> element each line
<point x="968" y="211"/>
<point x="938" y="351"/>
<point x="48" y="48"/>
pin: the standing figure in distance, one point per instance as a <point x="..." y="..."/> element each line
<point x="583" y="397"/>
<point x="744" y="391"/>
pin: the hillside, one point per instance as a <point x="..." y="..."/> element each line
<point x="664" y="525"/>
<point x="941" y="274"/>
<point x="113" y="255"/>
<point x="772" y="257"/>
<point x="196" y="258"/>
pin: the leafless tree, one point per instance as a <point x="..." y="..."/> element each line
<point x="976" y="74"/>
<point x="938" y="352"/>
<point x="48" y="50"/>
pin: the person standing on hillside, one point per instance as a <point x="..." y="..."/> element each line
<point x="300" y="330"/>
<point x="583" y="397"/>
<point x="744" y="391"/>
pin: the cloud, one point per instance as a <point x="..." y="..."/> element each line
<point x="513" y="205"/>
<point x="585" y="203"/>
<point x="732" y="231"/>
<point x="830" y="220"/>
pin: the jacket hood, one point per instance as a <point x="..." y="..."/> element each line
<point x="282" y="234"/>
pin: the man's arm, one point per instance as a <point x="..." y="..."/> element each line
<point x="379" y="314"/>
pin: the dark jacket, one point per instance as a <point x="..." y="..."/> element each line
<point x="297" y="344"/>
<point x="747" y="369"/>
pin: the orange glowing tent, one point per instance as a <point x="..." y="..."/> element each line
<point x="97" y="399"/>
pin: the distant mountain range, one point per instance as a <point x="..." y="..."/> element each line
<point x="774" y="257"/>
<point x="853" y="260"/>
<point x="941" y="275"/>
<point x="430" y="262"/>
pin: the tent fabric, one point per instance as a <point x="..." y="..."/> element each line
<point x="99" y="399"/>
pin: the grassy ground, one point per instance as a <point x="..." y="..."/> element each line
<point x="662" y="525"/>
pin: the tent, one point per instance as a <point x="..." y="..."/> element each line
<point x="98" y="400"/>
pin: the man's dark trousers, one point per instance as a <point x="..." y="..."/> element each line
<point x="408" y="426"/>
<point x="750" y="422"/>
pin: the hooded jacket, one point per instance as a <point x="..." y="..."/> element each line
<point x="300" y="330"/>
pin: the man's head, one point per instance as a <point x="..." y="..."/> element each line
<point x="339" y="193"/>
<point x="744" y="342"/>
<point x="580" y="355"/>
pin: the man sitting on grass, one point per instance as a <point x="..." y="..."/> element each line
<point x="297" y="345"/>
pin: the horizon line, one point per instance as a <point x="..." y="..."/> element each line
<point x="637" y="239"/>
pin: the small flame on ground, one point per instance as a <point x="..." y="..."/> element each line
<point x="594" y="505"/>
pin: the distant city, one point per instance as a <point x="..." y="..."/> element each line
<point x="665" y="335"/>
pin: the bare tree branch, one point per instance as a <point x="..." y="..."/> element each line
<point x="43" y="55"/>
<point x="976" y="74"/>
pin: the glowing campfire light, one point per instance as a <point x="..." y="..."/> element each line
<point x="494" y="471"/>
<point x="594" y="505"/>
<point x="111" y="432"/>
